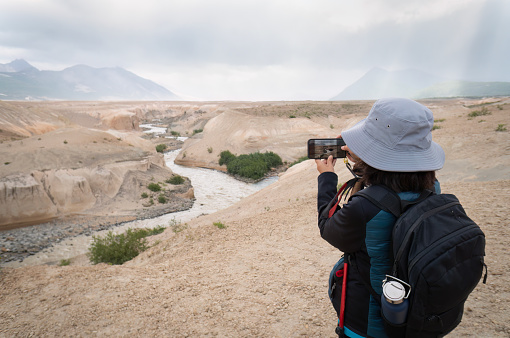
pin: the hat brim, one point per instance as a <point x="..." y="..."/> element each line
<point x="378" y="156"/>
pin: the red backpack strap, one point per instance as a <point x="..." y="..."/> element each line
<point x="337" y="197"/>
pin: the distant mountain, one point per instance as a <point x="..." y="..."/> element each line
<point x="465" y="89"/>
<point x="21" y="81"/>
<point x="416" y="84"/>
<point x="379" y="83"/>
<point x="17" y="65"/>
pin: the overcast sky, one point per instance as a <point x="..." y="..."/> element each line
<point x="261" y="49"/>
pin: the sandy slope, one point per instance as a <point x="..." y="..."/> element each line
<point x="63" y="158"/>
<point x="265" y="274"/>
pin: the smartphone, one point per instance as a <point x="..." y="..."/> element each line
<point x="321" y="148"/>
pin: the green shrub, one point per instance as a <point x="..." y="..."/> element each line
<point x="144" y="195"/>
<point x="116" y="249"/>
<point x="501" y="127"/>
<point x="160" y="148"/>
<point x="219" y="225"/>
<point x="64" y="262"/>
<point x="175" y="133"/>
<point x="254" y="165"/>
<point x="225" y="157"/>
<point x="154" y="187"/>
<point x="272" y="159"/>
<point x="482" y="112"/>
<point x="197" y="131"/>
<point x="248" y="167"/>
<point x="162" y="199"/>
<point x="210" y="150"/>
<point x="175" y="180"/>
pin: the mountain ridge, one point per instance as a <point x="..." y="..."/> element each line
<point x="19" y="80"/>
<point x="416" y="84"/>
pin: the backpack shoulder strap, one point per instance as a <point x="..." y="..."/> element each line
<point x="388" y="200"/>
<point x="383" y="197"/>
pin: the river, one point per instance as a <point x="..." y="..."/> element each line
<point x="214" y="190"/>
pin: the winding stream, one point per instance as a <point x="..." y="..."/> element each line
<point x="214" y="190"/>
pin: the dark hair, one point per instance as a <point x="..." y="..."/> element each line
<point x="396" y="181"/>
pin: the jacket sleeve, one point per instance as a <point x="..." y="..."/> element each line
<point x="345" y="230"/>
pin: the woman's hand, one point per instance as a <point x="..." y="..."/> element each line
<point x="327" y="165"/>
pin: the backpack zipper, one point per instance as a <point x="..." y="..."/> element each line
<point x="411" y="229"/>
<point x="446" y="238"/>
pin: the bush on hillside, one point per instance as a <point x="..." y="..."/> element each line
<point x="160" y="148"/>
<point x="253" y="166"/>
<point x="246" y="166"/>
<point x="175" y="180"/>
<point x="118" y="249"/>
<point x="154" y="187"/>
<point x="225" y="157"/>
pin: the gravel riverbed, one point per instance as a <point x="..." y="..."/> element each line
<point x="17" y="244"/>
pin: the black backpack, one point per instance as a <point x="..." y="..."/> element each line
<point x="439" y="251"/>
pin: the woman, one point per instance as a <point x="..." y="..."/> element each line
<point x="393" y="147"/>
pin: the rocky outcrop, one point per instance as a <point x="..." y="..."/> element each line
<point x="68" y="192"/>
<point x="121" y="121"/>
<point x="42" y="195"/>
<point x="24" y="199"/>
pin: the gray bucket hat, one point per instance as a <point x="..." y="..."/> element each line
<point x="396" y="136"/>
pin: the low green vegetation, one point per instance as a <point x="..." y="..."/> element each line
<point x="155" y="187"/>
<point x="175" y="133"/>
<point x="436" y="125"/>
<point x="177" y="226"/>
<point x="144" y="195"/>
<point x="118" y="249"/>
<point x="253" y="166"/>
<point x="219" y="225"/>
<point x="64" y="262"/>
<point x="160" y="148"/>
<point x="162" y="199"/>
<point x="175" y="180"/>
<point x="197" y="131"/>
<point x="501" y="127"/>
<point x="225" y="157"/>
<point x="482" y="112"/>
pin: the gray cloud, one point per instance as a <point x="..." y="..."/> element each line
<point x="212" y="49"/>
